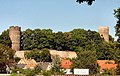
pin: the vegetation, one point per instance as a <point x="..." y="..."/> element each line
<point x="86" y="59"/>
<point x="39" y="56"/>
<point x="117" y="26"/>
<point x="88" y="45"/>
<point x="5" y="39"/>
<point x="56" y="64"/>
<point x="6" y="57"/>
<point x="117" y="30"/>
<point x="32" y="39"/>
<point x="88" y="1"/>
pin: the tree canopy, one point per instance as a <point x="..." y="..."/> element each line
<point x="39" y="55"/>
<point x="6" y="56"/>
<point x="89" y="2"/>
<point x="5" y="39"/>
<point x="117" y="26"/>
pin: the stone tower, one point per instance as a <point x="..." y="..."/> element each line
<point x="14" y="34"/>
<point x="104" y="32"/>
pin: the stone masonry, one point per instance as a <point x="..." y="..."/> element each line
<point x="104" y="32"/>
<point x="14" y="34"/>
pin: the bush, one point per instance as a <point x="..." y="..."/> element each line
<point x="29" y="72"/>
<point x="38" y="69"/>
<point x="14" y="74"/>
<point x="17" y="59"/>
<point x="17" y="69"/>
<point x="47" y="73"/>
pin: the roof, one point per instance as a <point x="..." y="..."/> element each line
<point x="30" y="63"/>
<point x="44" y="65"/>
<point x="63" y="54"/>
<point x="66" y="64"/>
<point x="21" y="65"/>
<point x="107" y="64"/>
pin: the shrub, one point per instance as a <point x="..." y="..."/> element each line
<point x="47" y="73"/>
<point x="29" y="72"/>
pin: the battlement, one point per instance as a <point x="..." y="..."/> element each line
<point x="15" y="28"/>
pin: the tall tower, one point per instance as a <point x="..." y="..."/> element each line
<point x="14" y="34"/>
<point x="104" y="32"/>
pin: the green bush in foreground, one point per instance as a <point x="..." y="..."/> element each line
<point x="14" y="74"/>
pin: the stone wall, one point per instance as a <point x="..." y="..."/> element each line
<point x="104" y="32"/>
<point x="14" y="34"/>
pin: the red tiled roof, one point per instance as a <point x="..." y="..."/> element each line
<point x="106" y="64"/>
<point x="66" y="64"/>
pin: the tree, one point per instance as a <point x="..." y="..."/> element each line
<point x="56" y="64"/>
<point x="5" y="39"/>
<point x="86" y="59"/>
<point x="39" y="55"/>
<point x="117" y="26"/>
<point x="88" y="1"/>
<point x="6" y="57"/>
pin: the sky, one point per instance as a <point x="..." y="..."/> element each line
<point x="58" y="15"/>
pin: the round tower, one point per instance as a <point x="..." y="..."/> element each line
<point x="104" y="32"/>
<point x="14" y="34"/>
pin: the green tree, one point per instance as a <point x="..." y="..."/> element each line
<point x="5" y="39"/>
<point x="39" y="55"/>
<point x="88" y="1"/>
<point x="6" y="56"/>
<point x="56" y="64"/>
<point x="86" y="60"/>
<point x="117" y="26"/>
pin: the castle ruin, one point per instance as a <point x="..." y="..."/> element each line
<point x="104" y="32"/>
<point x="14" y="34"/>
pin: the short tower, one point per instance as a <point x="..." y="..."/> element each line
<point x="104" y="32"/>
<point x="14" y="34"/>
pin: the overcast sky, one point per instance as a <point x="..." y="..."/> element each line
<point x="58" y="15"/>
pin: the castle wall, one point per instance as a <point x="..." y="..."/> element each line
<point x="14" y="33"/>
<point x="104" y="32"/>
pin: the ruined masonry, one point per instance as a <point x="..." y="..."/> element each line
<point x="104" y="32"/>
<point x="14" y="34"/>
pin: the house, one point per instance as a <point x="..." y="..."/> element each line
<point x="27" y="63"/>
<point x="106" y="64"/>
<point x="45" y="65"/>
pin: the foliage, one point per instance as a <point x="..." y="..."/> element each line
<point x="17" y="59"/>
<point x="5" y="39"/>
<point x="86" y="60"/>
<point x="14" y="74"/>
<point x="106" y="51"/>
<point x="118" y="69"/>
<point x="43" y="55"/>
<point x="37" y="38"/>
<point x="6" y="56"/>
<point x="56" y="64"/>
<point x="88" y="1"/>
<point x="60" y="41"/>
<point x="29" y="72"/>
<point x="117" y="26"/>
<point x="47" y="73"/>
<point x="38" y="69"/>
<point x="109" y="72"/>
